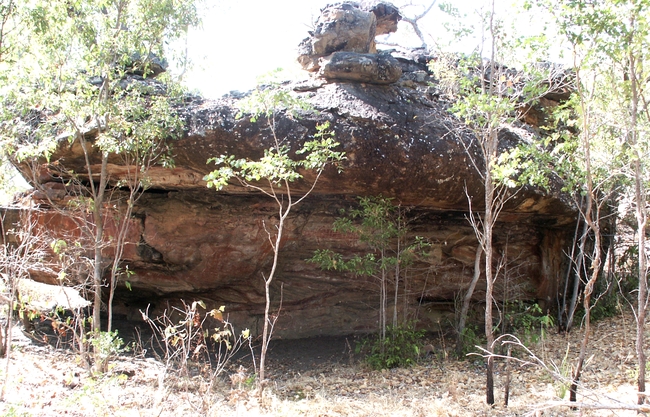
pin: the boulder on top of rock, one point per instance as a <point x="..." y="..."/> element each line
<point x="365" y="68"/>
<point x="340" y="27"/>
<point x="343" y="27"/>
<point x="347" y="27"/>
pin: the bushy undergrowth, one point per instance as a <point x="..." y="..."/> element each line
<point x="470" y="338"/>
<point x="401" y="348"/>
<point x="188" y="335"/>
<point x="527" y="321"/>
<point x="106" y="347"/>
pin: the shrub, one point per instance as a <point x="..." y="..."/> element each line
<point x="400" y="349"/>
<point x="528" y="321"/>
<point x="106" y="346"/>
<point x="469" y="338"/>
<point x="189" y="338"/>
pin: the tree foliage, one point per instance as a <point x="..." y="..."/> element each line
<point x="489" y="97"/>
<point x="608" y="40"/>
<point x="382" y="226"/>
<point x="80" y="73"/>
<point x="73" y="78"/>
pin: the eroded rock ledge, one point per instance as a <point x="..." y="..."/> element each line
<point x="401" y="142"/>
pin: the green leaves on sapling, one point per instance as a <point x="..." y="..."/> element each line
<point x="277" y="166"/>
<point x="320" y="151"/>
<point x="378" y="223"/>
<point x="329" y="260"/>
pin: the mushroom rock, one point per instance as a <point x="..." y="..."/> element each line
<point x="343" y="38"/>
<point x="401" y="142"/>
<point x="340" y="27"/>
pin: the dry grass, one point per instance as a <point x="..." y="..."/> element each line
<point x="42" y="381"/>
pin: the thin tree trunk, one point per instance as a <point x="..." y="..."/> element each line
<point x="120" y="242"/>
<point x="267" y="290"/>
<point x="467" y="301"/>
<point x="594" y="226"/>
<point x="508" y="371"/>
<point x="405" y="295"/>
<point x="641" y="219"/>
<point x="642" y="300"/>
<point x="99" y="237"/>
<point x="6" y="351"/>
<point x="5" y="340"/>
<point x="490" y="155"/>
<point x="265" y="331"/>
<point x="578" y="273"/>
<point x="382" y="303"/>
<point x="489" y="333"/>
<point x="587" y="305"/>
<point x="3" y="345"/>
<point x="580" y="268"/>
<point x="397" y="268"/>
<point x="8" y="331"/>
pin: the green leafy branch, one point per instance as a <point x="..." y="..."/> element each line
<point x="277" y="166"/>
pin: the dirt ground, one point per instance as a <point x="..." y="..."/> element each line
<point x="322" y="377"/>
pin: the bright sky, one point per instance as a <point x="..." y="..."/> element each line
<point x="241" y="40"/>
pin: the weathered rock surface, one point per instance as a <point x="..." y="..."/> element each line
<point x="400" y="141"/>
<point x="342" y="45"/>
<point x="364" y="68"/>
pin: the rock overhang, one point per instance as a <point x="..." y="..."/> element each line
<point x="401" y="142"/>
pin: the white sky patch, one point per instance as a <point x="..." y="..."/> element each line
<point x="242" y="40"/>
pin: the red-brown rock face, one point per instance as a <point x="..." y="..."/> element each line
<point x="191" y="242"/>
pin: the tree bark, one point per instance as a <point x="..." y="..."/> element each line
<point x="488" y="223"/>
<point x="266" y="332"/>
<point x="641" y="219"/>
<point x="579" y="266"/>
<point x="593" y="222"/>
<point x="467" y="301"/>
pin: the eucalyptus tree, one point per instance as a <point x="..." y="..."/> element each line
<point x="609" y="40"/>
<point x="635" y="33"/>
<point x="273" y="174"/>
<point x="629" y="79"/>
<point x="488" y="97"/>
<point x="383" y="227"/>
<point x="84" y="77"/>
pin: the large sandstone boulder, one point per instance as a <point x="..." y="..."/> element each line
<point x="364" y="68"/>
<point x="188" y="242"/>
<point x="343" y="27"/>
<point x="343" y="40"/>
